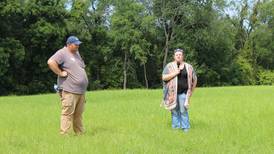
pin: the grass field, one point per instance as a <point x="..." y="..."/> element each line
<point x="223" y="120"/>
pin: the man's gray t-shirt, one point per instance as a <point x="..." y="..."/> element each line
<point x="76" y="81"/>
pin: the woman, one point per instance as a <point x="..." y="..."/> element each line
<point x="179" y="83"/>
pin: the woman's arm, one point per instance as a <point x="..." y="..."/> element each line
<point x="167" y="77"/>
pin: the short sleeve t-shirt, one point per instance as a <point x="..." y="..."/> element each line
<point x="76" y="81"/>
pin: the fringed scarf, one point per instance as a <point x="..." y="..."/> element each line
<point x="170" y="87"/>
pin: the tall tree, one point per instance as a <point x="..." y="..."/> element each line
<point x="128" y="37"/>
<point x="170" y="15"/>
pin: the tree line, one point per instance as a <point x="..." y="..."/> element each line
<point x="126" y="43"/>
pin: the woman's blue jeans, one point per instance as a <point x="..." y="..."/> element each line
<point x="179" y="114"/>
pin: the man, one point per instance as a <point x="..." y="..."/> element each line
<point x="72" y="82"/>
<point x="179" y="83"/>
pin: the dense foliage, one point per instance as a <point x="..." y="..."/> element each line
<point x="127" y="42"/>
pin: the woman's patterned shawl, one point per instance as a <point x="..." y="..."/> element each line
<point x="170" y="87"/>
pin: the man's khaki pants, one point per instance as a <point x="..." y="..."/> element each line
<point x="71" y="114"/>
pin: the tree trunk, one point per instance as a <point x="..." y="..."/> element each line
<point x="254" y="59"/>
<point x="125" y="72"/>
<point x="166" y="52"/>
<point x="169" y="37"/>
<point x="145" y="75"/>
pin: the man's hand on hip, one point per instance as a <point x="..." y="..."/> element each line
<point x="63" y="74"/>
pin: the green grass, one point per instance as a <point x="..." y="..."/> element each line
<point x="223" y="120"/>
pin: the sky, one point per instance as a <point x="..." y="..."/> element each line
<point x="235" y="5"/>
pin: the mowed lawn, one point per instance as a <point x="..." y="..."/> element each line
<point x="223" y="120"/>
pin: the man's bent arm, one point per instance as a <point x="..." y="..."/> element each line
<point x="55" y="68"/>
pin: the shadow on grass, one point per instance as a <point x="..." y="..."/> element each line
<point x="93" y="131"/>
<point x="198" y="124"/>
<point x="194" y="124"/>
